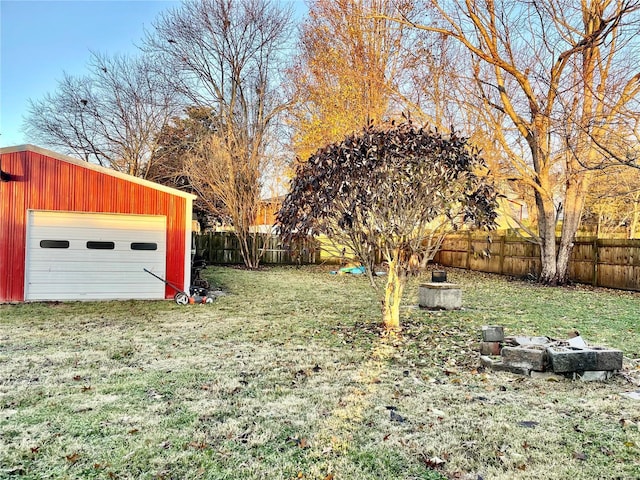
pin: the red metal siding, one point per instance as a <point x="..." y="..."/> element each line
<point x="43" y="183"/>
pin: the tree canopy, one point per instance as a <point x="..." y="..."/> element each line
<point x="393" y="191"/>
<point x="556" y="89"/>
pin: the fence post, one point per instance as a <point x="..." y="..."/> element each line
<point x="468" y="250"/>
<point x="503" y="241"/>
<point x="596" y="259"/>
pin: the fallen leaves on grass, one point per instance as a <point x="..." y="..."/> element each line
<point x="299" y="442"/>
<point x="580" y="456"/>
<point x="73" y="458"/>
<point x="198" y="445"/>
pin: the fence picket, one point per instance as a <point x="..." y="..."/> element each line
<point x="600" y="262"/>
<point x="222" y="248"/>
<point x="612" y="263"/>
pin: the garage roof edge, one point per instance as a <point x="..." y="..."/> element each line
<point x="97" y="168"/>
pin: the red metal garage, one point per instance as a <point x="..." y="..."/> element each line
<point x="72" y="230"/>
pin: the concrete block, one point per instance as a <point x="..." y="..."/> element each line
<point x="498" y="365"/>
<point x="524" y="341"/>
<point x="577" y="342"/>
<point x="492" y="333"/>
<point x="505" y="367"/>
<point x="533" y="357"/>
<point x="440" y="296"/>
<point x="487" y="361"/>
<point x="490" y="348"/>
<point x="595" y="376"/>
<point x="566" y="359"/>
<point x="608" y="359"/>
<point x="548" y="376"/>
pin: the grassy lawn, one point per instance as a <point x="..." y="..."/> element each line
<point x="289" y="376"/>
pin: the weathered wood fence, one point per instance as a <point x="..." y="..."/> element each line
<point x="222" y="248"/>
<point x="599" y="262"/>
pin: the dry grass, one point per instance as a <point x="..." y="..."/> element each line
<point x="289" y="376"/>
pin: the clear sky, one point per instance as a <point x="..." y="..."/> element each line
<point x="40" y="39"/>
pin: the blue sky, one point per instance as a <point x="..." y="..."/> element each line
<point x="39" y="40"/>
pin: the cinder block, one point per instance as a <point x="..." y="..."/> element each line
<point x="564" y="359"/>
<point x="504" y="367"/>
<point x="567" y="359"/>
<point x="490" y="348"/>
<point x="492" y="333"/>
<point x="533" y="358"/>
<point x="440" y="296"/>
<point x="608" y="359"/>
<point x="488" y="361"/>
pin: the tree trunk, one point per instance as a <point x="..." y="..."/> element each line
<point x="574" y="203"/>
<point x="393" y="295"/>
<point x="547" y="232"/>
<point x="248" y="251"/>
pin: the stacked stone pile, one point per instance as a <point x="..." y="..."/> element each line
<point x="542" y="355"/>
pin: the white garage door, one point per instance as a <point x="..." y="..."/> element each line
<point x="94" y="256"/>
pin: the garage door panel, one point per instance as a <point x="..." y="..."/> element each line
<point x="78" y="272"/>
<point x="95" y="294"/>
<point x="88" y="270"/>
<point x="102" y="257"/>
<point x="126" y="273"/>
<point x="80" y="235"/>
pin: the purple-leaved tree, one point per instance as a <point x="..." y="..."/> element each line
<point x="392" y="189"/>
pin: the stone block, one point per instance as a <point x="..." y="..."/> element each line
<point x="487" y="361"/>
<point x="524" y="341"/>
<point x="505" y="367"/>
<point x="498" y="365"/>
<point x="567" y="359"/>
<point x="548" y="376"/>
<point x="577" y="342"/>
<point x="490" y="348"/>
<point x="440" y="296"/>
<point x="595" y="376"/>
<point x="532" y="358"/>
<point x="608" y="359"/>
<point x="492" y="333"/>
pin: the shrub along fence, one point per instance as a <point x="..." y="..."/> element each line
<point x="222" y="248"/>
<point x="599" y="262"/>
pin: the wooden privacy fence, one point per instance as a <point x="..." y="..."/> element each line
<point x="599" y="262"/>
<point x="222" y="248"/>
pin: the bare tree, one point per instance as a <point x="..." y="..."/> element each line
<point x="558" y="81"/>
<point x="227" y="55"/>
<point x="111" y="115"/>
<point x="612" y="205"/>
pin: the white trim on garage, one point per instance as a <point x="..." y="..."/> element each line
<point x="80" y="272"/>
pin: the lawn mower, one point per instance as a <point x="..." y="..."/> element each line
<point x="197" y="294"/>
